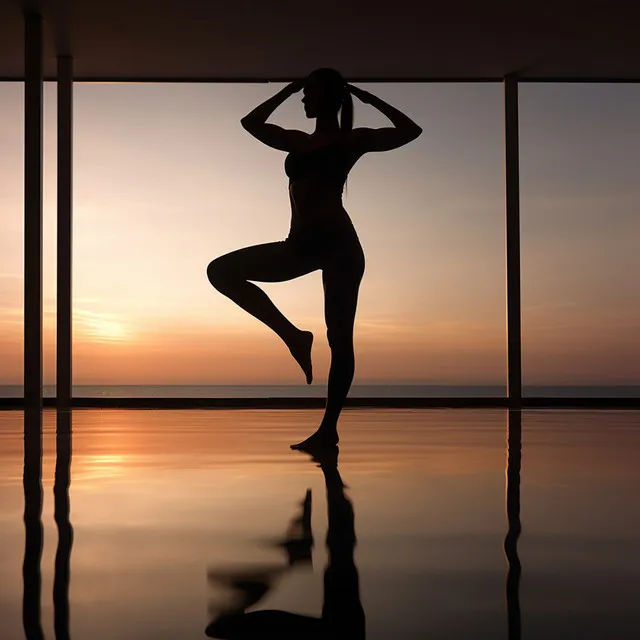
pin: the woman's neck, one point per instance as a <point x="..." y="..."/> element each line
<point x="327" y="126"/>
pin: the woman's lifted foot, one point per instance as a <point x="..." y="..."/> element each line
<point x="300" y="347"/>
<point x="321" y="440"/>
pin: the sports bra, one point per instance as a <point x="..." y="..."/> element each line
<point x="328" y="162"/>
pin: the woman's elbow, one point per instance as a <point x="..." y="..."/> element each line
<point x="415" y="133"/>
<point x="248" y="124"/>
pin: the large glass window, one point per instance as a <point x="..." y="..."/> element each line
<point x="580" y="153"/>
<point x="11" y="238"/>
<point x="166" y="180"/>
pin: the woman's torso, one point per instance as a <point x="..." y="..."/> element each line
<point x="316" y="181"/>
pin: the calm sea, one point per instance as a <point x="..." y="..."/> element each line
<point x="298" y="391"/>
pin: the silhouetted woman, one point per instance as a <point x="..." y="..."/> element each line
<point x="322" y="235"/>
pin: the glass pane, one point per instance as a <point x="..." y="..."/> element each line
<point x="11" y="238"/>
<point x="166" y="180"/>
<point x="580" y="154"/>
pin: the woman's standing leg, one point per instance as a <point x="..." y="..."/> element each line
<point x="272" y="262"/>
<point x="341" y="282"/>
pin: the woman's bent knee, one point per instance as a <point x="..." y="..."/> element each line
<point x="218" y="273"/>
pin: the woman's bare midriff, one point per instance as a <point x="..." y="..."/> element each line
<point x="316" y="205"/>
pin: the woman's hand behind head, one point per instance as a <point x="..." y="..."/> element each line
<point x="361" y="94"/>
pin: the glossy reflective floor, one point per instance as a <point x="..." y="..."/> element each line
<point x="179" y="524"/>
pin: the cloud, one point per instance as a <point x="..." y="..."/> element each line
<point x="91" y="326"/>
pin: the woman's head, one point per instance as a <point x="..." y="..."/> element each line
<point x="326" y="93"/>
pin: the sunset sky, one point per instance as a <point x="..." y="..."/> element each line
<point x="166" y="180"/>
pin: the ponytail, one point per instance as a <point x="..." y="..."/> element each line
<point x="346" y="118"/>
<point x="346" y="113"/>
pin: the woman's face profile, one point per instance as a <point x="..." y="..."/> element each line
<point x="312" y="97"/>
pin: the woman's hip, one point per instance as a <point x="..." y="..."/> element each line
<point x="335" y="244"/>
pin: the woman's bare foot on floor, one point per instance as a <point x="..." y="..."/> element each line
<point x="321" y="439"/>
<point x="300" y="348"/>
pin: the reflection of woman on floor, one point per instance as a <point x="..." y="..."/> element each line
<point x="342" y="613"/>
<point x="322" y="235"/>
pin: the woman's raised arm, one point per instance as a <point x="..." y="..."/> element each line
<point x="272" y="135"/>
<point x="405" y="130"/>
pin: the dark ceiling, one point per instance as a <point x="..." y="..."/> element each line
<point x="252" y="40"/>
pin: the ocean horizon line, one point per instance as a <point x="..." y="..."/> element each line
<point x="389" y="390"/>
